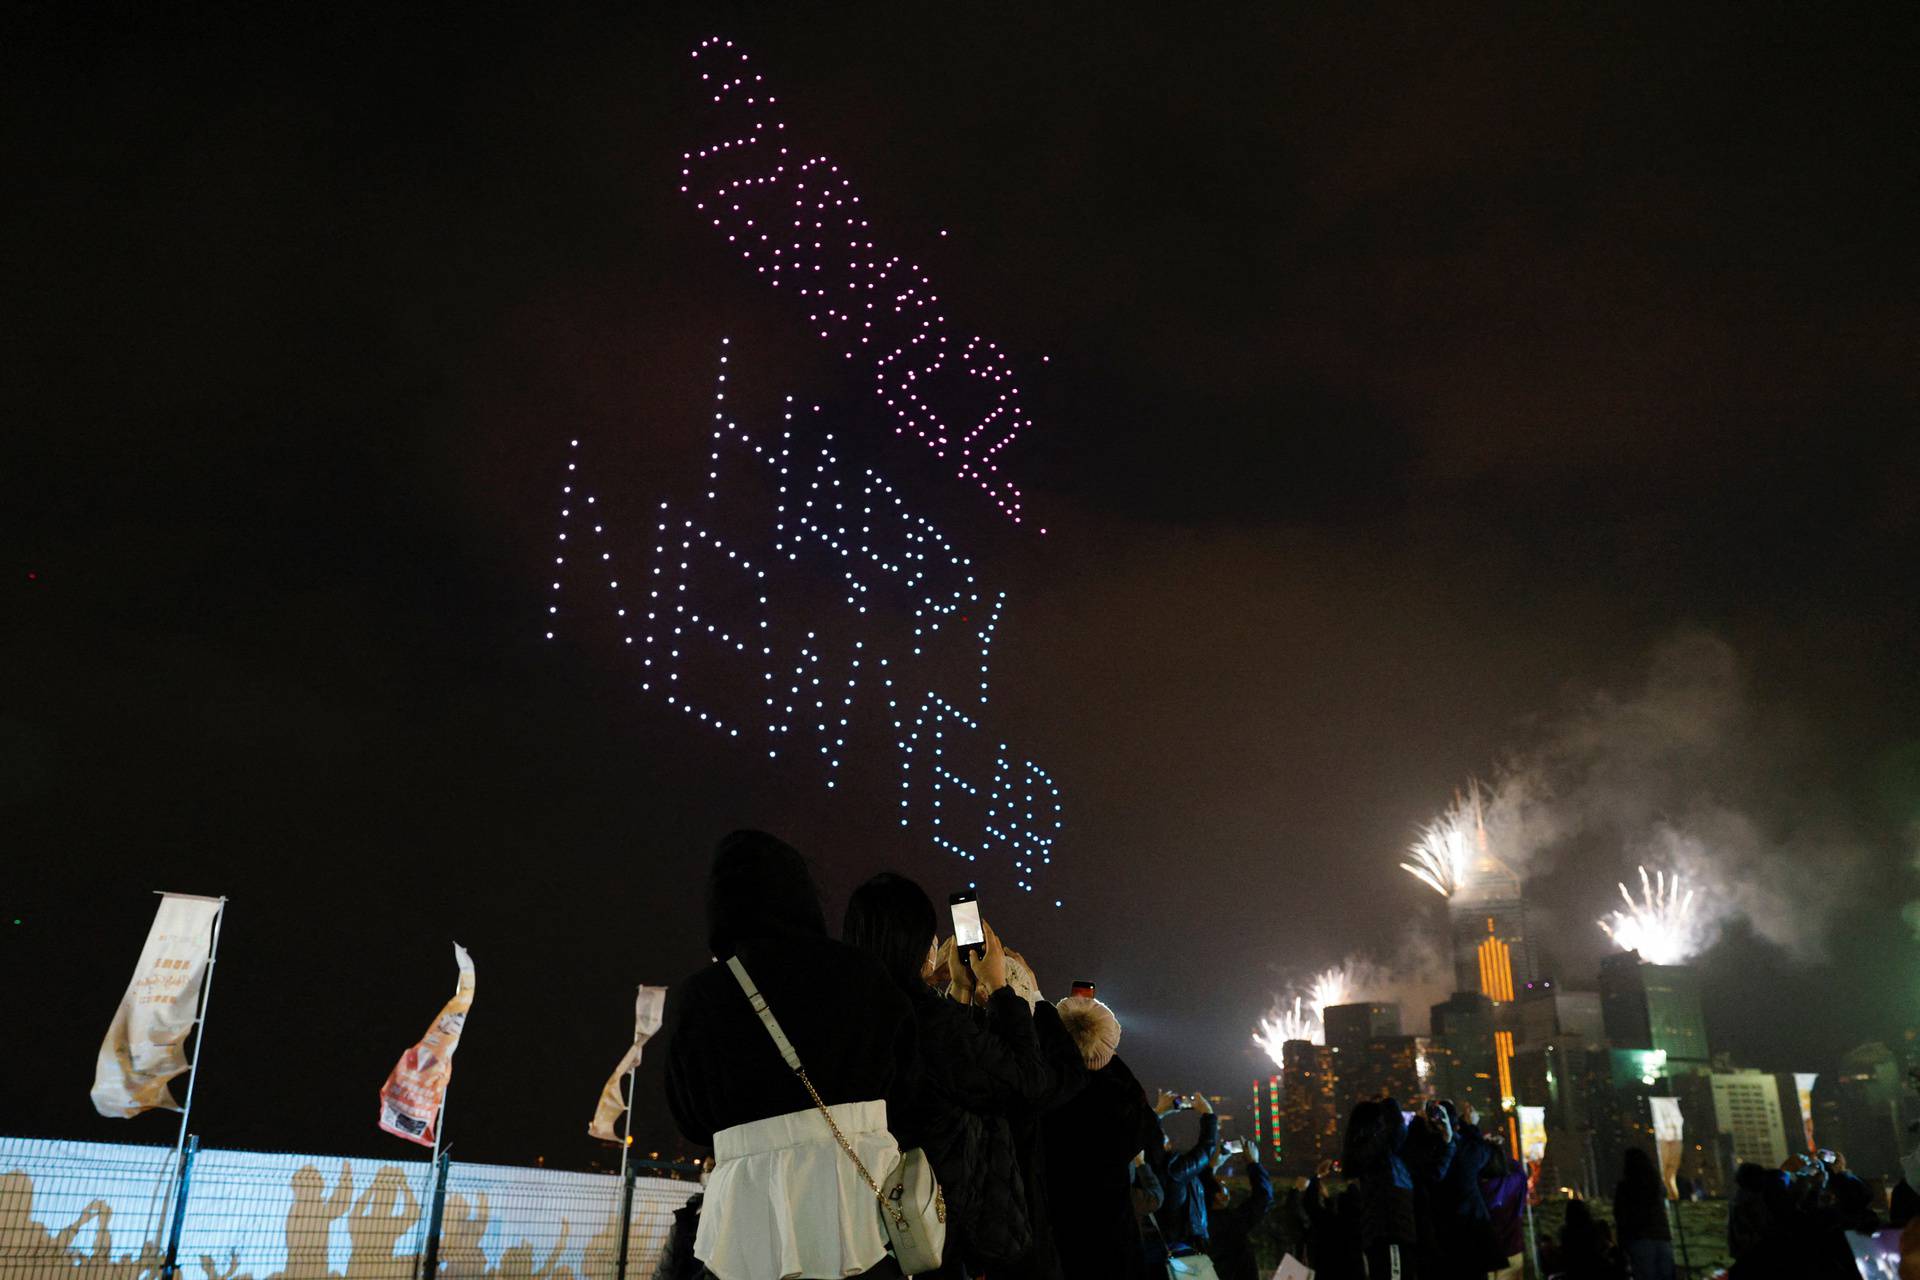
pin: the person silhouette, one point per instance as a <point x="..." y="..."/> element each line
<point x="310" y="1221"/>
<point x="377" y="1223"/>
<point x="461" y="1231"/>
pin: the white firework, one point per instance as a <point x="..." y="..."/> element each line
<point x="1330" y="987"/>
<point x="1285" y="1024"/>
<point x="1660" y="924"/>
<point x="1442" y="854"/>
<point x="1446" y="847"/>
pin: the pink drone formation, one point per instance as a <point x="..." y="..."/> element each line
<point x="798" y="220"/>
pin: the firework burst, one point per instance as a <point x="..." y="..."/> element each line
<point x="1440" y="855"/>
<point x="1660" y="923"/>
<point x="1284" y="1024"/>
<point x="1330" y="987"/>
<point x="1446" y="846"/>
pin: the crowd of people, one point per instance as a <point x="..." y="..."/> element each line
<point x="808" y="1062"/>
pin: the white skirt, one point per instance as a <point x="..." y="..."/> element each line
<point x="784" y="1202"/>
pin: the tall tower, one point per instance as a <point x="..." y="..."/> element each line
<point x="1488" y="920"/>
<point x="1492" y="955"/>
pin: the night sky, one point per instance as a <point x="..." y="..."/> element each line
<point x="1528" y="395"/>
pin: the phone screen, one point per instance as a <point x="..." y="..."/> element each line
<point x="966" y="918"/>
<point x="1083" y="989"/>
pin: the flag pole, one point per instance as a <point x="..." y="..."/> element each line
<point x="433" y="1180"/>
<point x="626" y="1126"/>
<point x="193" y="1066"/>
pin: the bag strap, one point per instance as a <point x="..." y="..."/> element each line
<point x="780" y="1041"/>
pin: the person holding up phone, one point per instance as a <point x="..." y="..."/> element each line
<point x="1230" y="1226"/>
<point x="978" y="1074"/>
<point x="1183" y="1220"/>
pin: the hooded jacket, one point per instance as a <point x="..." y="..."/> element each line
<point x="850" y="1025"/>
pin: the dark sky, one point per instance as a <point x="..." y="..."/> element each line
<point x="1423" y="392"/>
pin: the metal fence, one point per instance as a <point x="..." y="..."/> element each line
<point x="107" y="1211"/>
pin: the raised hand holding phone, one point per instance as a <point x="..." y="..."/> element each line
<point x="990" y="967"/>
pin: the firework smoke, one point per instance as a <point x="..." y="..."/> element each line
<point x="1659" y="924"/>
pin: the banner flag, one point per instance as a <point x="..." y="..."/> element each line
<point x="410" y="1099"/>
<point x="146" y="1043"/>
<point x="1669" y="1132"/>
<point x="648" y="1009"/>
<point x="1803" y="1082"/>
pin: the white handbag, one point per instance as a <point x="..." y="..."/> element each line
<point x="912" y="1209"/>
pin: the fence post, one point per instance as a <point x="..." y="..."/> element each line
<point x="626" y="1220"/>
<point x="430" y="1255"/>
<point x="182" y="1179"/>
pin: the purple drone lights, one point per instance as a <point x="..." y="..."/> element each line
<point x="797" y="219"/>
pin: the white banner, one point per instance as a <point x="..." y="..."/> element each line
<point x="416" y="1088"/>
<point x="146" y="1044"/>
<point x="1669" y="1132"/>
<point x="1533" y="1134"/>
<point x="649" y="1008"/>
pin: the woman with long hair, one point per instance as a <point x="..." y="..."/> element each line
<point x="1640" y="1216"/>
<point x="982" y="1067"/>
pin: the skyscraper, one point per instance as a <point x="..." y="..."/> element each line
<point x="1654" y="1006"/>
<point x="1466" y="1065"/>
<point x="1306" y="1126"/>
<point x="1746" y="1105"/>
<point x="1492" y="954"/>
<point x="1369" y="1055"/>
<point x="1487" y="918"/>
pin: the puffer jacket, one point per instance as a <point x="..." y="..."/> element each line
<point x="978" y="1069"/>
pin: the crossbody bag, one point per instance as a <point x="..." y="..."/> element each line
<point x="912" y="1210"/>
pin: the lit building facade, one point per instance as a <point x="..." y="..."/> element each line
<point x="1746" y="1108"/>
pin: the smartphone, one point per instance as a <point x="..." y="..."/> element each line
<point x="1233" y="1146"/>
<point x="1181" y="1102"/>
<point x="967" y="933"/>
<point x="1081" y="987"/>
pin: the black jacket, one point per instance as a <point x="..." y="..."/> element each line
<point x="1333" y="1232"/>
<point x="1089" y="1146"/>
<point x="1183" y="1219"/>
<point x="1372" y="1157"/>
<point x="1230" y="1231"/>
<point x="978" y="1068"/>
<point x="1463" y="1229"/>
<point x="851" y="1026"/>
<point x="1640" y="1211"/>
<point x="1042" y="1261"/>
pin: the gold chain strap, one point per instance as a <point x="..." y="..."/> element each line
<point x="899" y="1218"/>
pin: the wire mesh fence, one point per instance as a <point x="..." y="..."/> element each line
<point x="103" y="1211"/>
